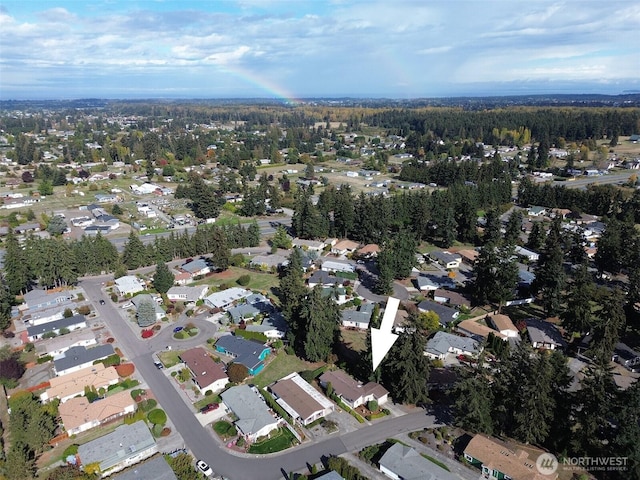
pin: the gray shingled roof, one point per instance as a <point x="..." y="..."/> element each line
<point x="79" y="355"/>
<point x="157" y="469"/>
<point x="111" y="449"/>
<point x="246" y="352"/>
<point x="55" y="325"/>
<point x="253" y="414"/>
<point x="408" y="464"/>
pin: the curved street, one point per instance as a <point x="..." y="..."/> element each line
<point x="201" y="440"/>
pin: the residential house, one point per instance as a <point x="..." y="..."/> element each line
<point x="451" y="298"/>
<point x="527" y="254"/>
<point x="444" y="343"/>
<point x="273" y="326"/>
<point x="544" y="335"/>
<point x="446" y="315"/>
<point x="536" y="211"/>
<point x="323" y="279"/>
<point x="139" y="300"/>
<point x="248" y="311"/>
<point x="447" y="259"/>
<point x="337" y="293"/>
<point x="427" y="283"/>
<point x="45" y="314"/>
<point x="312" y="245"/>
<point x="626" y="356"/>
<point x="187" y="294"/>
<point x="370" y="250"/>
<point x="37" y="298"/>
<point x="299" y="399"/>
<point x="503" y="324"/>
<point x="478" y="331"/>
<point x="93" y="230"/>
<point x="268" y="262"/>
<point x="333" y="266"/>
<point x="330" y="475"/>
<point x="181" y="278"/>
<point x="196" y="268"/>
<point x="58" y="345"/>
<point x="226" y="298"/>
<point x="359" y="318"/>
<point x="352" y="392"/>
<point x="254" y="418"/>
<point x="344" y="247"/>
<point x="156" y="468"/>
<point x="468" y="256"/>
<point x="125" y="446"/>
<point x="402" y="462"/>
<point x="78" y="415"/>
<point x="246" y="352"/>
<point x="497" y="460"/>
<point x="75" y="322"/>
<point x="128" y="285"/>
<point x="73" y="384"/>
<point x="77" y="358"/>
<point x="26" y="228"/>
<point x="207" y="374"/>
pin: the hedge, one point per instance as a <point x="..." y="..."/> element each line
<point x="276" y="406"/>
<point x="251" y="335"/>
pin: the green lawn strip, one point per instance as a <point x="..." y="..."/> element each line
<point x="437" y="462"/>
<point x="280" y="366"/>
<point x="203" y="402"/>
<point x="281" y="441"/>
<point x="170" y="358"/>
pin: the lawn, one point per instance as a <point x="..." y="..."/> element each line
<point x="282" y="441"/>
<point x="354" y="339"/>
<point x="260" y="281"/>
<point x="280" y="366"/>
<point x="170" y="358"/>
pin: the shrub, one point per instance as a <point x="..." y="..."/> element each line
<point x="114" y="297"/>
<point x="166" y="431"/>
<point x="84" y="310"/>
<point x="237" y="372"/>
<point x="147" y="333"/>
<point x="157" y="327"/>
<point x="157" y="416"/>
<point x="372" y="406"/>
<point x="208" y="393"/>
<point x="70" y="450"/>
<point x="138" y="392"/>
<point x="244" y="280"/>
<point x="29" y="347"/>
<point x="44" y="359"/>
<point x="148" y="405"/>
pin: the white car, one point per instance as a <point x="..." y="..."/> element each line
<point x="204" y="468"/>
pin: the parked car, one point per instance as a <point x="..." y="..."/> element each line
<point x="204" y="468"/>
<point x="101" y="302"/>
<point x="158" y="365"/>
<point x="177" y="329"/>
<point x="209" y="408"/>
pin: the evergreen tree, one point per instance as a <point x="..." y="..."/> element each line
<point x="492" y="234"/>
<point x="473" y="400"/>
<point x="281" y="239"/>
<point x="134" y="254"/>
<point x="550" y="277"/>
<point x="406" y="368"/>
<point x="146" y="312"/>
<point x="513" y="227"/>
<point x="16" y="268"/>
<point x="319" y="319"/>
<point x="163" y="278"/>
<point x="291" y="291"/>
<point x="495" y="274"/>
<point x="385" y="263"/>
<point x="537" y="237"/>
<point x="608" y="327"/>
<point x="578" y="316"/>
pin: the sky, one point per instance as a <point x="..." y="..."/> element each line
<point x="296" y="49"/>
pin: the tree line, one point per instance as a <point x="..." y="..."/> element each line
<point x="53" y="262"/>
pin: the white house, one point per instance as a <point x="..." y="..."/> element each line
<point x="187" y="294"/>
<point x="527" y="254"/>
<point x="227" y="297"/>
<point x="254" y="419"/>
<point x="332" y="266"/>
<point x="128" y="285"/>
<point x="299" y="399"/>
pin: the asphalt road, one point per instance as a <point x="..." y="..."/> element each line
<point x="200" y="440"/>
<point x="584" y="181"/>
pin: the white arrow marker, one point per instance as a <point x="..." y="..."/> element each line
<point x="382" y="339"/>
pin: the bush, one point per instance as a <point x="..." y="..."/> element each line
<point x="44" y="359"/>
<point x="147" y="333"/>
<point x="157" y="416"/>
<point x="29" y="347"/>
<point x="148" y="405"/>
<point x="114" y="297"/>
<point x="84" y="310"/>
<point x="244" y="280"/>
<point x="70" y="450"/>
<point x="372" y="406"/>
<point x="138" y="392"/>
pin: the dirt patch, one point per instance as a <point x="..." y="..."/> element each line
<point x="225" y="275"/>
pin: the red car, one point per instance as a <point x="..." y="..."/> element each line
<point x="209" y="408"/>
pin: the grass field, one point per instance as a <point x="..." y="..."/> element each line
<point x="280" y="366"/>
<point x="282" y="441"/>
<point x="354" y="339"/>
<point x="260" y="281"/>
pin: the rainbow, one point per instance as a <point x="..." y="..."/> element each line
<point x="262" y="83"/>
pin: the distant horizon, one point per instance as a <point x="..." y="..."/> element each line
<point x="400" y="49"/>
